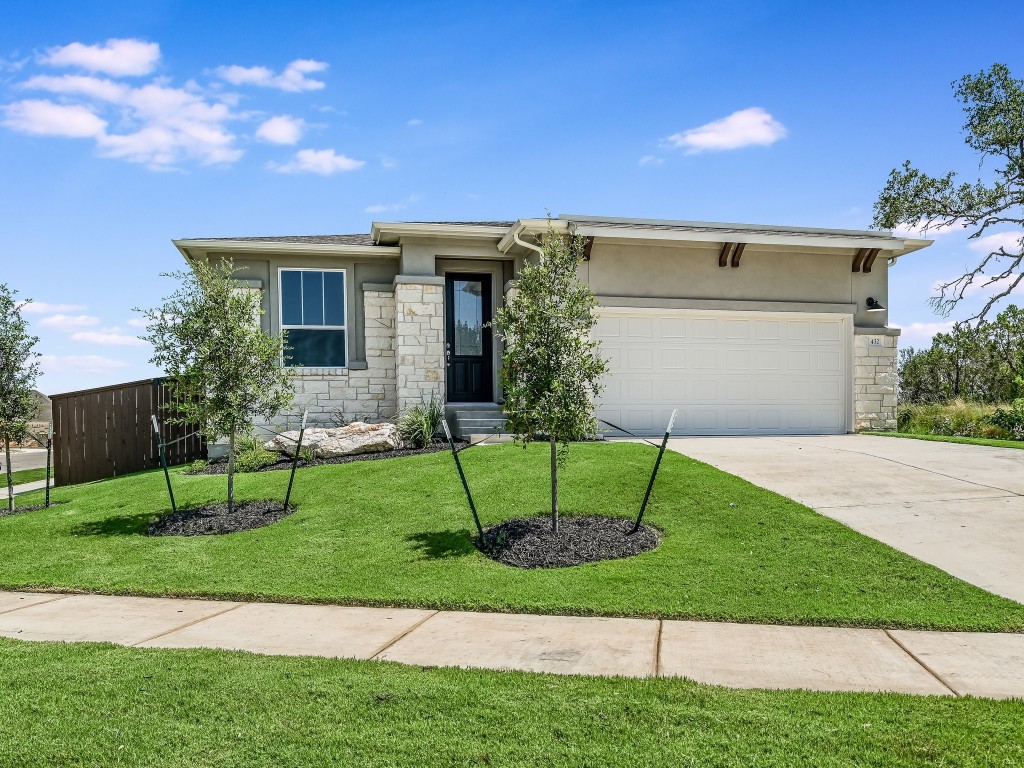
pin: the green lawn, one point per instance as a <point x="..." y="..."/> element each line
<point x="992" y="443"/>
<point x="90" y="704"/>
<point x="24" y="475"/>
<point x="395" y="532"/>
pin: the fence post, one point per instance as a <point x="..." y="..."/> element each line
<point x="295" y="460"/>
<point x="49" y="454"/>
<point x="654" y="474"/>
<point x="462" y="476"/>
<point x="163" y="461"/>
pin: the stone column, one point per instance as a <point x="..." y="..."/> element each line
<point x="419" y="339"/>
<point x="875" y="379"/>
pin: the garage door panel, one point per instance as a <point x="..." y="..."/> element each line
<point x="640" y="327"/>
<point x="673" y="357"/>
<point x="727" y="372"/>
<point x="828" y="361"/>
<point x="639" y="358"/>
<point x="673" y="328"/>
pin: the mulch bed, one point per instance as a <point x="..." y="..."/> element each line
<point x="5" y="512"/>
<point x="221" y="467"/>
<point x="214" y="519"/>
<point x="529" y="542"/>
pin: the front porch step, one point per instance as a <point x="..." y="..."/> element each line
<point x="475" y="419"/>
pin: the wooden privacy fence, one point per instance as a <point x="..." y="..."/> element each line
<point x="108" y="431"/>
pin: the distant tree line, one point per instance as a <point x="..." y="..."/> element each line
<point x="982" y="363"/>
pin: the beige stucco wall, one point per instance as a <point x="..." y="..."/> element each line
<point x="692" y="272"/>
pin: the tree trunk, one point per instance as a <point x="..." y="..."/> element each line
<point x="10" y="478"/>
<point x="231" y="472"/>
<point x="554" y="485"/>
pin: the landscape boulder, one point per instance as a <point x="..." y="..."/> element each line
<point x="331" y="442"/>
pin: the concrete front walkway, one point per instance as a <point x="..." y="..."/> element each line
<point x="959" y="507"/>
<point x="734" y="655"/>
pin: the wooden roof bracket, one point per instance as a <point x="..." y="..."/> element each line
<point x="737" y="254"/>
<point x="864" y="258"/>
<point x="870" y="260"/>
<point x="731" y="254"/>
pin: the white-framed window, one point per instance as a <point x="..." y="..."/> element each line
<point x="313" y="317"/>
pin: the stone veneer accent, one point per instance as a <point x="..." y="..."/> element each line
<point x="336" y="395"/>
<point x="419" y="340"/>
<point x="874" y="383"/>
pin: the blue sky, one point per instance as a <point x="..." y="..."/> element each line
<point x="123" y="125"/>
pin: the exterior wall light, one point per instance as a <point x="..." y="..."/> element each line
<point x="874" y="306"/>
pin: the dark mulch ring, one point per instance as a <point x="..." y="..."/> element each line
<point x="220" y="467"/>
<point x="5" y="512"/>
<point x="529" y="542"/>
<point x="214" y="519"/>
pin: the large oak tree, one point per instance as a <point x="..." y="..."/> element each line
<point x="993" y="102"/>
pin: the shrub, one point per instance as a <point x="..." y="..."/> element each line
<point x="251" y="456"/>
<point x="958" y="418"/>
<point x="420" y="423"/>
<point x="1010" y="419"/>
<point x="197" y="467"/>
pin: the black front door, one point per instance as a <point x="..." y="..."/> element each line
<point x="467" y="303"/>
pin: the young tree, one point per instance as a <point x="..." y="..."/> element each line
<point x="552" y="367"/>
<point x="224" y="370"/>
<point x="994" y="104"/>
<point x="18" y="373"/>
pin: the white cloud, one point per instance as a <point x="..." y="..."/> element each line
<point x="115" y="57"/>
<point x="159" y="125"/>
<point x="138" y="322"/>
<point x="79" y="364"/>
<point x="281" y="129"/>
<point x="292" y="78"/>
<point x="42" y="308"/>
<point x="920" y="334"/>
<point x="1011" y="241"/>
<point x="69" y="322"/>
<point x="109" y="337"/>
<point x="321" y="161"/>
<point x="414" y="122"/>
<point x="387" y="161"/>
<point x="384" y="207"/>
<point x="747" y="127"/>
<point x="651" y="160"/>
<point x="40" y="117"/>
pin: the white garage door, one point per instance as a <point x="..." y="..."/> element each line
<point x="728" y="373"/>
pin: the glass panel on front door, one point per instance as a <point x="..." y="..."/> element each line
<point x="469" y="317"/>
<point x="468" y="346"/>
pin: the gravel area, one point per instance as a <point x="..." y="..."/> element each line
<point x="214" y="519"/>
<point x="529" y="542"/>
<point x="221" y="467"/>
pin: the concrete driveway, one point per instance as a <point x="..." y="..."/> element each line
<point x="959" y="507"/>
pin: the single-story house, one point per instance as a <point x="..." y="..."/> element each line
<point x="746" y="329"/>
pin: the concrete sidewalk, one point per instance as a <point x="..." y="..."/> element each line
<point x="734" y="655"/>
<point x="36" y="485"/>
